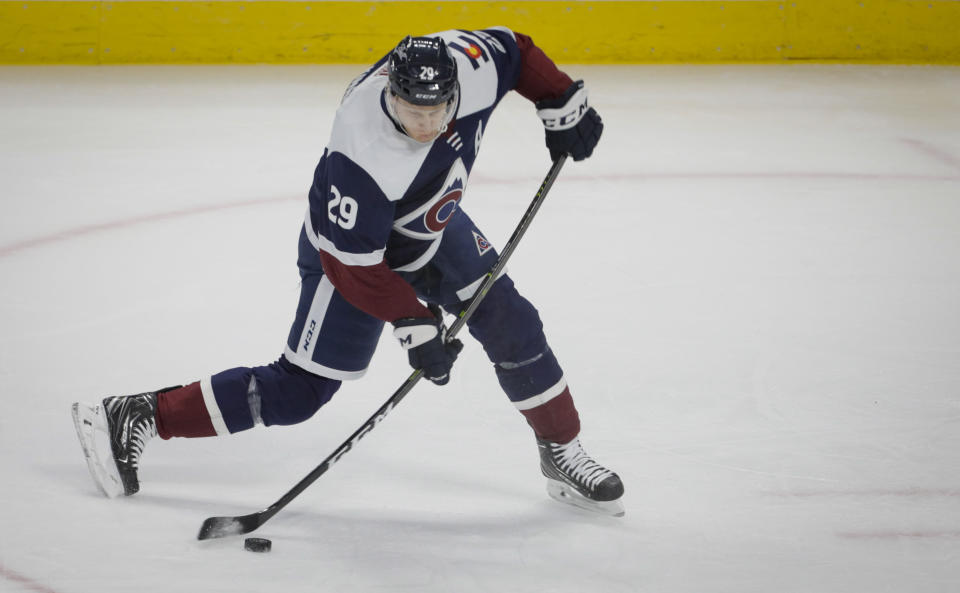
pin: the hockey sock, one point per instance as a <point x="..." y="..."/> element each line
<point x="556" y="420"/>
<point x="183" y="413"/>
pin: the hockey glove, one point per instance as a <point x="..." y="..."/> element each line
<point x="572" y="126"/>
<point x="427" y="349"/>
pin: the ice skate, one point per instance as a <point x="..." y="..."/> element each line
<point x="574" y="478"/>
<point x="113" y="435"/>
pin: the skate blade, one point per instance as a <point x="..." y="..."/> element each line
<point x="563" y="493"/>
<point x="94" y="437"/>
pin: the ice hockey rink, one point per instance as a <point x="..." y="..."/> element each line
<point x="753" y="287"/>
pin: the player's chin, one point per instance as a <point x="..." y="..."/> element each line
<point x="425" y="137"/>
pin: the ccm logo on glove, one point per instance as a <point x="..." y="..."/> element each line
<point x="572" y="126"/>
<point x="567" y="115"/>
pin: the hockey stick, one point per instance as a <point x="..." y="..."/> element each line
<point x="215" y="527"/>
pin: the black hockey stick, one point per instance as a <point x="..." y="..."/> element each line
<point x="215" y="527"/>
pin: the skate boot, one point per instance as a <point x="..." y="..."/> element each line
<point x="126" y="423"/>
<point x="574" y="478"/>
<point x="132" y="422"/>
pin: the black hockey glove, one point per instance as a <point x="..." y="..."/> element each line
<point x="424" y="340"/>
<point x="573" y="127"/>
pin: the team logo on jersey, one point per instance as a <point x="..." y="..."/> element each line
<point x="439" y="214"/>
<point x="470" y="47"/>
<point x="428" y="220"/>
<point x="483" y="245"/>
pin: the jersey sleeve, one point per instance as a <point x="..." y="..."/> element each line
<point x="376" y="290"/>
<point x="349" y="223"/>
<point x="520" y="65"/>
<point x="539" y="77"/>
<point x="488" y="63"/>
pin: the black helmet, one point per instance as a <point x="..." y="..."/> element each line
<point x="423" y="72"/>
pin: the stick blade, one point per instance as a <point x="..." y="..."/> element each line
<point x="217" y="527"/>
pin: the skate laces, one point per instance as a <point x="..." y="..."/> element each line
<point x="142" y="431"/>
<point x="135" y="415"/>
<point x="573" y="460"/>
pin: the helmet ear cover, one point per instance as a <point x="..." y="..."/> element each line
<point x="423" y="72"/>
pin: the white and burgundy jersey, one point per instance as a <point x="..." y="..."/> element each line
<point x="380" y="200"/>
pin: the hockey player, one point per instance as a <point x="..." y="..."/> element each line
<point x="383" y="232"/>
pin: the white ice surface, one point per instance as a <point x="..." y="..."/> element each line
<point x="754" y="290"/>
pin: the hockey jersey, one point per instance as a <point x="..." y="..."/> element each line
<point x="380" y="200"/>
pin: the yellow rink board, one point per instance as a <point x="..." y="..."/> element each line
<point x="895" y="31"/>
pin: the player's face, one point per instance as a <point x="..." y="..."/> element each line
<point x="423" y="123"/>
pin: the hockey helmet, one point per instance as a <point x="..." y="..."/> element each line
<point x="423" y="72"/>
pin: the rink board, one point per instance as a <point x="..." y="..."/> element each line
<point x="677" y="31"/>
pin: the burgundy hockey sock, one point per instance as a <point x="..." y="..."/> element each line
<point x="556" y="421"/>
<point x="182" y="413"/>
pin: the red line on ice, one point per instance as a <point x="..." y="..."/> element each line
<point x="92" y="229"/>
<point x="933" y="151"/>
<point x="899" y="534"/>
<point x="27" y="582"/>
<point x="40" y="241"/>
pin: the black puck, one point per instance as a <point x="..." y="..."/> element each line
<point x="257" y="544"/>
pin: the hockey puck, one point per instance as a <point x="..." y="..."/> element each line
<point x="257" y="544"/>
